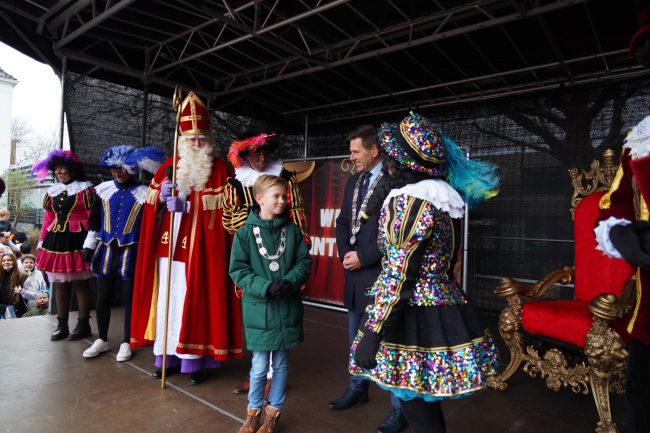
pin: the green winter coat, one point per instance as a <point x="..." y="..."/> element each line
<point x="270" y="324"/>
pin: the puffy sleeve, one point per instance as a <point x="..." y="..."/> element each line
<point x="234" y="212"/>
<point x="407" y="226"/>
<point x="48" y="217"/>
<point x="297" y="208"/>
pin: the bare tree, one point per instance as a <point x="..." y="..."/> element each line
<point x="30" y="145"/>
<point x="563" y="125"/>
<point x="19" y="184"/>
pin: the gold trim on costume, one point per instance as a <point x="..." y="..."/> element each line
<point x="133" y="215"/>
<point x="212" y="201"/>
<point x="125" y="256"/>
<point x="152" y="196"/>
<point x="107" y="254"/>
<point x="107" y="218"/>
<point x="606" y="200"/>
<point x="150" y="332"/>
<point x="195" y="213"/>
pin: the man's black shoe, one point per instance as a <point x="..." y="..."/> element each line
<point x="394" y="422"/>
<point x="198" y="377"/>
<point x="157" y="374"/>
<point x="349" y="398"/>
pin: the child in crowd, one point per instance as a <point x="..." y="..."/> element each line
<point x="40" y="305"/>
<point x="35" y="282"/>
<point x="269" y="262"/>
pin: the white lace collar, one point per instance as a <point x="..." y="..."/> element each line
<point x="247" y="175"/>
<point x="437" y="192"/>
<point x="105" y="191"/>
<point x="72" y="188"/>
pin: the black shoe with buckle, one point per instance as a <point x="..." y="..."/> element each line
<point x="198" y="377"/>
<point x="394" y="422"/>
<point x="349" y="398"/>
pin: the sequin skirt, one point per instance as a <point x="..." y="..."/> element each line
<point x="432" y="353"/>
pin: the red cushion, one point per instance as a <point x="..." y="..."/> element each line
<point x="567" y="321"/>
<point x="595" y="273"/>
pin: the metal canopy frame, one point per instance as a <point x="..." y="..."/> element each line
<point x="331" y="59"/>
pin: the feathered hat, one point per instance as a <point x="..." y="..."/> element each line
<point x="416" y="144"/>
<point x="59" y="158"/>
<point x="239" y="149"/>
<point x="195" y="117"/>
<point x="133" y="159"/>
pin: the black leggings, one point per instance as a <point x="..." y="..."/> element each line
<point x="63" y="295"/>
<point x="422" y="416"/>
<point x="106" y="288"/>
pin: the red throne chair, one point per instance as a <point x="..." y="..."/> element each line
<point x="583" y="349"/>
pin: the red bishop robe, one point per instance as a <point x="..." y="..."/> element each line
<point x="211" y="322"/>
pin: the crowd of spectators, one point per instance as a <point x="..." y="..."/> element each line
<point x="24" y="290"/>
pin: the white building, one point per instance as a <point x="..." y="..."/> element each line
<point x="7" y="83"/>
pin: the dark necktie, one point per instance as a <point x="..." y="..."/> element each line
<point x="364" y="187"/>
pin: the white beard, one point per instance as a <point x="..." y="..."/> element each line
<point x="194" y="167"/>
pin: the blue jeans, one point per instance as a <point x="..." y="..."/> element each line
<point x="259" y="368"/>
<point x="360" y="382"/>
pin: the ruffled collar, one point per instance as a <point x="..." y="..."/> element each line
<point x="247" y="175"/>
<point x="105" y="190"/>
<point x="437" y="192"/>
<point x="71" y="188"/>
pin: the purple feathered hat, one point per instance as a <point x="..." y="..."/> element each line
<point x="59" y="158"/>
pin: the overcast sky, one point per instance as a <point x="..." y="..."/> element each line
<point x="37" y="96"/>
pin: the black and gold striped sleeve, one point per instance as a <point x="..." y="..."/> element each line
<point x="235" y="206"/>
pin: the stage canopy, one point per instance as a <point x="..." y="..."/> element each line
<point x="330" y="60"/>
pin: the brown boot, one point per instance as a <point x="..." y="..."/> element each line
<point x="252" y="421"/>
<point x="271" y="420"/>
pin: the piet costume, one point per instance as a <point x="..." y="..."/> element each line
<point x="114" y="224"/>
<point x="428" y="341"/>
<point x="204" y="312"/>
<point x="113" y="234"/>
<point x="238" y="192"/>
<point x="65" y="222"/>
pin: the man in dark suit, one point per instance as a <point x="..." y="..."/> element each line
<point x="361" y="257"/>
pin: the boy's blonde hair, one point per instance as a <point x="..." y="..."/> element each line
<point x="4" y="213"/>
<point x="267" y="181"/>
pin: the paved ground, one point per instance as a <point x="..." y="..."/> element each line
<point x="48" y="387"/>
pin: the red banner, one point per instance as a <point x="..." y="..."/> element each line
<point x="322" y="191"/>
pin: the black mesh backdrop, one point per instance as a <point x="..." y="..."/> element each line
<point x="525" y="232"/>
<point x="102" y="114"/>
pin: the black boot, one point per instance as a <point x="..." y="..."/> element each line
<point x="82" y="330"/>
<point x="61" y="330"/>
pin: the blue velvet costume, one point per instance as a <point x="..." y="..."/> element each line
<point x="115" y="218"/>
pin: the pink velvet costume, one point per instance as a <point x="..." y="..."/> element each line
<point x="67" y="208"/>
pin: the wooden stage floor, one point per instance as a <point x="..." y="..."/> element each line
<point x="48" y="387"/>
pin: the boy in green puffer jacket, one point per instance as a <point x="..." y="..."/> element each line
<point x="269" y="262"/>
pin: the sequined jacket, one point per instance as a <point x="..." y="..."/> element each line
<point x="419" y="231"/>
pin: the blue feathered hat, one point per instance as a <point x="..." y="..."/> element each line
<point x="418" y="145"/>
<point x="133" y="159"/>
